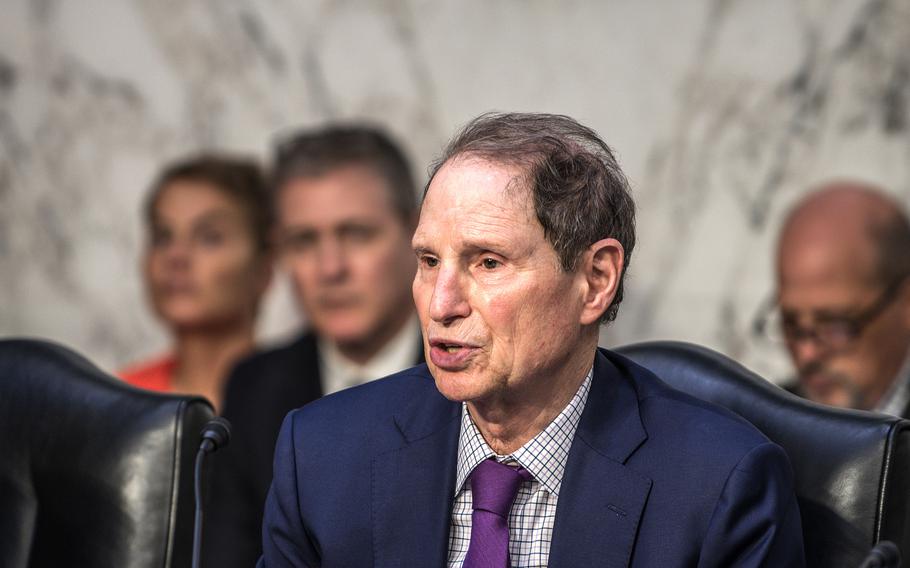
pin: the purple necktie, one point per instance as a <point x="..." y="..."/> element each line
<point x="493" y="490"/>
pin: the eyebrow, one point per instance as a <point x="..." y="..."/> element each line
<point x="820" y="313"/>
<point x="209" y="216"/>
<point x="217" y="215"/>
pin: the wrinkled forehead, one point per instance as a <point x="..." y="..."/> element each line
<point x="471" y="196"/>
<point x="472" y="181"/>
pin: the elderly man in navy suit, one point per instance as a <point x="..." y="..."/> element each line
<point x="519" y="442"/>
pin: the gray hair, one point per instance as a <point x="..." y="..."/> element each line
<point x="313" y="153"/>
<point x="580" y="194"/>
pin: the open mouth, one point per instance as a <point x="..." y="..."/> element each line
<point x="447" y="345"/>
<point x="450" y="355"/>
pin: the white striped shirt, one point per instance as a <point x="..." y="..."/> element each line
<point x="534" y="511"/>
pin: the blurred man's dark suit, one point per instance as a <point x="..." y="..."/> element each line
<point x="261" y="390"/>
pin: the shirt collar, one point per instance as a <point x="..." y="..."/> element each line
<point x="544" y="456"/>
<point x="399" y="353"/>
<point x="895" y="399"/>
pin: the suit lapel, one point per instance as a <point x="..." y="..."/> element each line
<point x="309" y="370"/>
<point x="601" y="499"/>
<point x="413" y="486"/>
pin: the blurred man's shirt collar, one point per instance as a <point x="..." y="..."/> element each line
<point x="339" y="372"/>
<point x="896" y="398"/>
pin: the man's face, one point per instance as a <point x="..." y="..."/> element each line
<point x="824" y="282"/>
<point x="498" y="313"/>
<point x="348" y="253"/>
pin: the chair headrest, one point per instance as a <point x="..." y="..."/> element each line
<point x="91" y="465"/>
<point x="849" y="465"/>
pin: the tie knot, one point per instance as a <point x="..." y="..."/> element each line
<point x="495" y="485"/>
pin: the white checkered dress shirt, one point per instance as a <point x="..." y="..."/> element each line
<point x="534" y="511"/>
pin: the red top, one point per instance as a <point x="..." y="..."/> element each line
<point x="156" y="374"/>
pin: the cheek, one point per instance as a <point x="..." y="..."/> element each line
<point x="300" y="268"/>
<point x="372" y="269"/>
<point x="538" y="321"/>
<point x="153" y="272"/>
<point x="875" y="358"/>
<point x="421" y="290"/>
<point x="384" y="272"/>
<point x="506" y="316"/>
<point x="375" y="259"/>
<point x="149" y="267"/>
<point x="232" y="273"/>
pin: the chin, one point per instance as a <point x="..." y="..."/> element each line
<point x="457" y="387"/>
<point x="195" y="318"/>
<point x="344" y="332"/>
<point x="183" y="317"/>
<point x="839" y="400"/>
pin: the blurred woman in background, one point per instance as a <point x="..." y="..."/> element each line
<point x="206" y="266"/>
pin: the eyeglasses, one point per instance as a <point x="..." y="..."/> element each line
<point x="834" y="332"/>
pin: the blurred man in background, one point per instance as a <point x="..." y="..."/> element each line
<point x="842" y="297"/>
<point x="346" y="209"/>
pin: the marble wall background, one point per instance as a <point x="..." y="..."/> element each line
<point x="723" y="112"/>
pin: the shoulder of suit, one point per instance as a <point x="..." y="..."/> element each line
<point x="662" y="404"/>
<point x="381" y="396"/>
<point x="301" y="351"/>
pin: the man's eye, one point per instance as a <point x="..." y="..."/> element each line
<point x="300" y="242"/>
<point x="358" y="234"/>
<point x="836" y="330"/>
<point x="430" y="261"/>
<point x="490" y="263"/>
<point x="161" y="238"/>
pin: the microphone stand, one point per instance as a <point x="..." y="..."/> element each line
<point x="215" y="434"/>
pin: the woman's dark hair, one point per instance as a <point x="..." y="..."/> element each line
<point x="240" y="179"/>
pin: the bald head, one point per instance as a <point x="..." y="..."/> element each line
<point x="852" y="226"/>
<point x="842" y="251"/>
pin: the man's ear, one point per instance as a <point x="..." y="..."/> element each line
<point x="601" y="265"/>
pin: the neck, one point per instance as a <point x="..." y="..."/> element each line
<point x="508" y="422"/>
<point x="362" y="351"/>
<point x="205" y="357"/>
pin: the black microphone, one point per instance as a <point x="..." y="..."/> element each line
<point x="215" y="434"/>
<point x="885" y="554"/>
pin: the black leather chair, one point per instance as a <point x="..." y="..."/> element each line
<point x="93" y="472"/>
<point x="852" y="468"/>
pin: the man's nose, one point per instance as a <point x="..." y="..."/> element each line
<point x="449" y="301"/>
<point x="332" y="260"/>
<point x="806" y="350"/>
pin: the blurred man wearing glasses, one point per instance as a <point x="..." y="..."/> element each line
<point x="843" y="302"/>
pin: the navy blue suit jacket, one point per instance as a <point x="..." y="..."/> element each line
<point x="366" y="477"/>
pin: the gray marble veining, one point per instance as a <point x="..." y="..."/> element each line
<point x="722" y="112"/>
